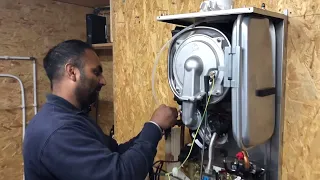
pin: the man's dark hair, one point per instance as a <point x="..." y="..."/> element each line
<point x="69" y="51"/>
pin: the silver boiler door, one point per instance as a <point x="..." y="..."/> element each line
<point x="253" y="116"/>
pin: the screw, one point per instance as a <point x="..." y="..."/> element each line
<point x="212" y="74"/>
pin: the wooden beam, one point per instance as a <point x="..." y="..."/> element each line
<point x="91" y="3"/>
<point x="102" y="46"/>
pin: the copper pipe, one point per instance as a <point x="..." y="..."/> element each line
<point x="246" y="160"/>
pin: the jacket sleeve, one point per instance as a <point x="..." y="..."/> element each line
<point x="73" y="153"/>
<point x="121" y="148"/>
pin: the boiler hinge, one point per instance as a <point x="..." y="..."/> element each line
<point x="232" y="66"/>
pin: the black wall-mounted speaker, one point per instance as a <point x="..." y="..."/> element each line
<point x="96" y="29"/>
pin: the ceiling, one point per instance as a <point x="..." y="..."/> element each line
<point x="86" y="3"/>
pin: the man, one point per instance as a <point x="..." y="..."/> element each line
<point x="63" y="143"/>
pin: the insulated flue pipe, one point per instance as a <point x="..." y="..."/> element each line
<point x="15" y="58"/>
<point x="23" y="103"/>
<point x="35" y="104"/>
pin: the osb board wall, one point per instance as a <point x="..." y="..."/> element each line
<point x="138" y="37"/>
<point x="30" y="28"/>
<point x="105" y="116"/>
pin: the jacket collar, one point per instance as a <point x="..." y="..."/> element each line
<point x="63" y="103"/>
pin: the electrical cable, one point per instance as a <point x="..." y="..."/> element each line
<point x="193" y="142"/>
<point x="163" y="174"/>
<point x="156" y="175"/>
<point x="160" y="169"/>
<point x="159" y="161"/>
<point x="153" y="85"/>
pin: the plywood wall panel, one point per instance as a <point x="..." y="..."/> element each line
<point x="301" y="153"/>
<point x="295" y="7"/>
<point x="105" y="108"/>
<point x="106" y="116"/>
<point x="11" y="164"/>
<point x="106" y="58"/>
<point x="300" y="8"/>
<point x="269" y="4"/>
<point x="28" y="28"/>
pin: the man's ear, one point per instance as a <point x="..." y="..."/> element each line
<point x="71" y="71"/>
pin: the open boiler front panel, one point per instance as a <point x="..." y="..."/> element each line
<point x="231" y="60"/>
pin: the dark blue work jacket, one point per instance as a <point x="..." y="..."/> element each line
<point x="63" y="143"/>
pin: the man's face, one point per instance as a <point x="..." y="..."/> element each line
<point x="91" y="80"/>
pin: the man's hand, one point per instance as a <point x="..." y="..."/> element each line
<point x="165" y="116"/>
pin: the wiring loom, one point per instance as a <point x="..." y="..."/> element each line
<point x="157" y="174"/>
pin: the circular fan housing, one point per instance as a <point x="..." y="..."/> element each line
<point x="207" y="45"/>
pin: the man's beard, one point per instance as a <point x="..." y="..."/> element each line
<point x="86" y="92"/>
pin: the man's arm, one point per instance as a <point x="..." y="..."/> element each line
<point x="73" y="153"/>
<point x="121" y="148"/>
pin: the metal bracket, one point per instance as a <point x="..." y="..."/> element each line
<point x="232" y="65"/>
